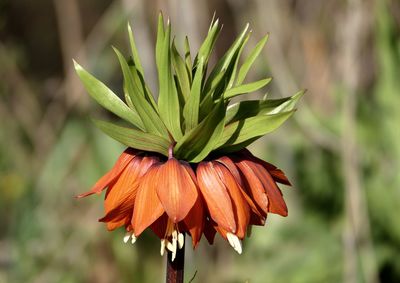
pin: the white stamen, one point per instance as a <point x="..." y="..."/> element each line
<point x="169" y="245"/>
<point x="133" y="240"/>
<point x="162" y="250"/>
<point x="127" y="237"/>
<point x="234" y="242"/>
<point x="181" y="240"/>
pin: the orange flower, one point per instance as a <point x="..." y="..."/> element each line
<point x="172" y="197"/>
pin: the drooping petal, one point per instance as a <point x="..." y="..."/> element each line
<point x="230" y="165"/>
<point x="254" y="186"/>
<point x="159" y="227"/>
<point x="216" y="196"/>
<point x="194" y="221"/>
<point x="147" y="207"/>
<point x="125" y="158"/>
<point x="240" y="207"/>
<point x="121" y="195"/>
<point x="276" y="202"/>
<point x="176" y="190"/>
<point x="277" y="174"/>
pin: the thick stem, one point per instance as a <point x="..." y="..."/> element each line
<point x="175" y="268"/>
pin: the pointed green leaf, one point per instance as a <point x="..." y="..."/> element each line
<point x="251" y="108"/>
<point x="223" y="64"/>
<point x="181" y="72"/>
<point x="168" y="100"/>
<point x="188" y="59"/>
<point x="236" y="60"/>
<point x="251" y="128"/>
<point x="135" y="54"/>
<point x="149" y="116"/>
<point x="250" y="60"/>
<point x="160" y="36"/>
<point x="198" y="143"/>
<point x="134" y="138"/>
<point x="107" y="98"/>
<point x="208" y="44"/>
<point x="191" y="109"/>
<point x="246" y="88"/>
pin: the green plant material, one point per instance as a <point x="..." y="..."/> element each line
<point x="191" y="109"/>
<point x="182" y="74"/>
<point x="134" y="138"/>
<point x="168" y="100"/>
<point x="244" y="69"/>
<point x="200" y="141"/>
<point x="149" y="116"/>
<point x="107" y="98"/>
<point x="250" y="128"/>
<point x="249" y="108"/>
<point x="246" y="88"/>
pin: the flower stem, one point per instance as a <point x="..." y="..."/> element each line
<point x="175" y="268"/>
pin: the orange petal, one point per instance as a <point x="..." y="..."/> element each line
<point x="125" y="158"/>
<point x="147" y="207"/>
<point x="121" y="195"/>
<point x="176" y="190"/>
<point x="194" y="221"/>
<point x="276" y="202"/>
<point x="254" y="186"/>
<point x="159" y="227"/>
<point x="228" y="163"/>
<point x="216" y="196"/>
<point x="240" y="207"/>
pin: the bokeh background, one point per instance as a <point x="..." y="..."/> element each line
<point x="341" y="150"/>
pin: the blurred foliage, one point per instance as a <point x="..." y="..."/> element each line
<point x="49" y="150"/>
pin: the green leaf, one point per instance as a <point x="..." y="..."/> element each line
<point x="223" y="64"/>
<point x="149" y="116"/>
<point x="251" y="108"/>
<point x="181" y="72"/>
<point x="188" y="59"/>
<point x="236" y="60"/>
<point x="251" y="128"/>
<point x="191" y="109"/>
<point x="168" y="100"/>
<point x="250" y="60"/>
<point x="198" y="143"/>
<point x="107" y="98"/>
<point x="160" y="37"/>
<point x="134" y="138"/>
<point x="208" y="44"/>
<point x="246" y="88"/>
<point x="135" y="54"/>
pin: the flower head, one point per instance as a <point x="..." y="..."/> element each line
<point x="186" y="169"/>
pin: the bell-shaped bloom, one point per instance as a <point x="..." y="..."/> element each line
<point x="171" y="197"/>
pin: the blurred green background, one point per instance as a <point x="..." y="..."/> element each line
<point x="341" y="150"/>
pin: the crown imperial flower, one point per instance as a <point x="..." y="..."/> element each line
<point x="186" y="169"/>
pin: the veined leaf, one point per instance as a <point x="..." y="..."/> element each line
<point x="181" y="72"/>
<point x="134" y="138"/>
<point x="191" y="109"/>
<point x="135" y="54"/>
<point x="198" y="143"/>
<point x="250" y="128"/>
<point x="250" y="60"/>
<point x="168" y="100"/>
<point x="149" y="116"/>
<point x="160" y="36"/>
<point x="246" y="88"/>
<point x="107" y="98"/>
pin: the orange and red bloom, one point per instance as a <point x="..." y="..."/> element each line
<point x="224" y="194"/>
